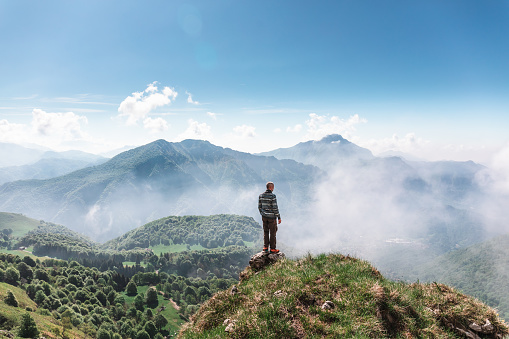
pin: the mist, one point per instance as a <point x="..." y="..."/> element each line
<point x="399" y="214"/>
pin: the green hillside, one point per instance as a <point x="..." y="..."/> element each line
<point x="286" y="300"/>
<point x="481" y="270"/>
<point x="18" y="223"/>
<point x="213" y="231"/>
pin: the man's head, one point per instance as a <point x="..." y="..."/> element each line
<point x="270" y="185"/>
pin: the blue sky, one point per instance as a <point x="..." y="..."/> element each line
<point x="430" y="78"/>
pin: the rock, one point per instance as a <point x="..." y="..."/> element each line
<point x="488" y="327"/>
<point x="262" y="259"/>
<point x="328" y="305"/>
<point x="230" y="325"/>
<point x="234" y="290"/>
<point x="280" y="294"/>
<point x="475" y="327"/>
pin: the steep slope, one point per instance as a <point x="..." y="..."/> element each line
<point x="481" y="270"/>
<point x="338" y="296"/>
<point x="155" y="180"/>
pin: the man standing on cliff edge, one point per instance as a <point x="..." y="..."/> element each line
<point x="267" y="205"/>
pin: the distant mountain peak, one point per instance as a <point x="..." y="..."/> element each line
<point x="333" y="139"/>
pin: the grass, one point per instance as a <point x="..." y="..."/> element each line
<point x="285" y="301"/>
<point x="19" y="224"/>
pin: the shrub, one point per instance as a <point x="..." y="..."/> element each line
<point x="10" y="299"/>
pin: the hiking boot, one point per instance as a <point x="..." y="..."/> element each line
<point x="265" y="250"/>
<point x="273" y="250"/>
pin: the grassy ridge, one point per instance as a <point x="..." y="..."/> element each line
<point x="285" y="301"/>
<point x="19" y="224"/>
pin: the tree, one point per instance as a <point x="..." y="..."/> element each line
<point x="142" y="335"/>
<point x="10" y="299"/>
<point x="103" y="334"/>
<point x="131" y="288"/>
<point x="101" y="297"/>
<point x="151" y="298"/>
<point x="138" y="303"/>
<point x="12" y="276"/>
<point x="40" y="297"/>
<point x="150" y="328"/>
<point x="160" y="321"/>
<point x="28" y="327"/>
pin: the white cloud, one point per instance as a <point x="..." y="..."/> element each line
<point x="320" y="126"/>
<point x="410" y="143"/>
<point x="295" y="129"/>
<point x="244" y="131"/>
<point x="10" y="132"/>
<point x="156" y="125"/>
<point x="64" y="125"/>
<point x="190" y="99"/>
<point x="195" y="130"/>
<point x="58" y="131"/>
<point x="277" y="130"/>
<point x="212" y="115"/>
<point x="140" y="104"/>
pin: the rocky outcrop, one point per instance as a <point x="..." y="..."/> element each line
<point x="262" y="259"/>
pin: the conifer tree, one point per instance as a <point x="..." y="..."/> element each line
<point x="10" y="299"/>
<point x="28" y="327"/>
<point x="151" y="298"/>
<point x="131" y="288"/>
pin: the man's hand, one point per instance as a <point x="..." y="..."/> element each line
<point x="279" y="221"/>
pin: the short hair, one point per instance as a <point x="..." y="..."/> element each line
<point x="270" y="183"/>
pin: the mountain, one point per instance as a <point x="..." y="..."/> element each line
<point x="329" y="152"/>
<point x="481" y="271"/>
<point x="20" y="163"/>
<point x="16" y="155"/>
<point x="47" y="167"/>
<point x="156" y="180"/>
<point x="337" y="296"/>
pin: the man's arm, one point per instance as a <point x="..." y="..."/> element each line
<point x="275" y="209"/>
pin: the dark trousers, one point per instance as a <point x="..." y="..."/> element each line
<point x="269" y="232"/>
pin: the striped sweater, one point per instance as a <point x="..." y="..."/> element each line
<point x="267" y="205"/>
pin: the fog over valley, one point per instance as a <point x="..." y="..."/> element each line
<point x="333" y="195"/>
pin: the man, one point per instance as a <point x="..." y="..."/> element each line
<point x="267" y="205"/>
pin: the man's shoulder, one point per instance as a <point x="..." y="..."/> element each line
<point x="267" y="195"/>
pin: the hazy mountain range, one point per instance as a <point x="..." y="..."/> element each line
<point x="156" y="180"/>
<point x="333" y="194"/>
